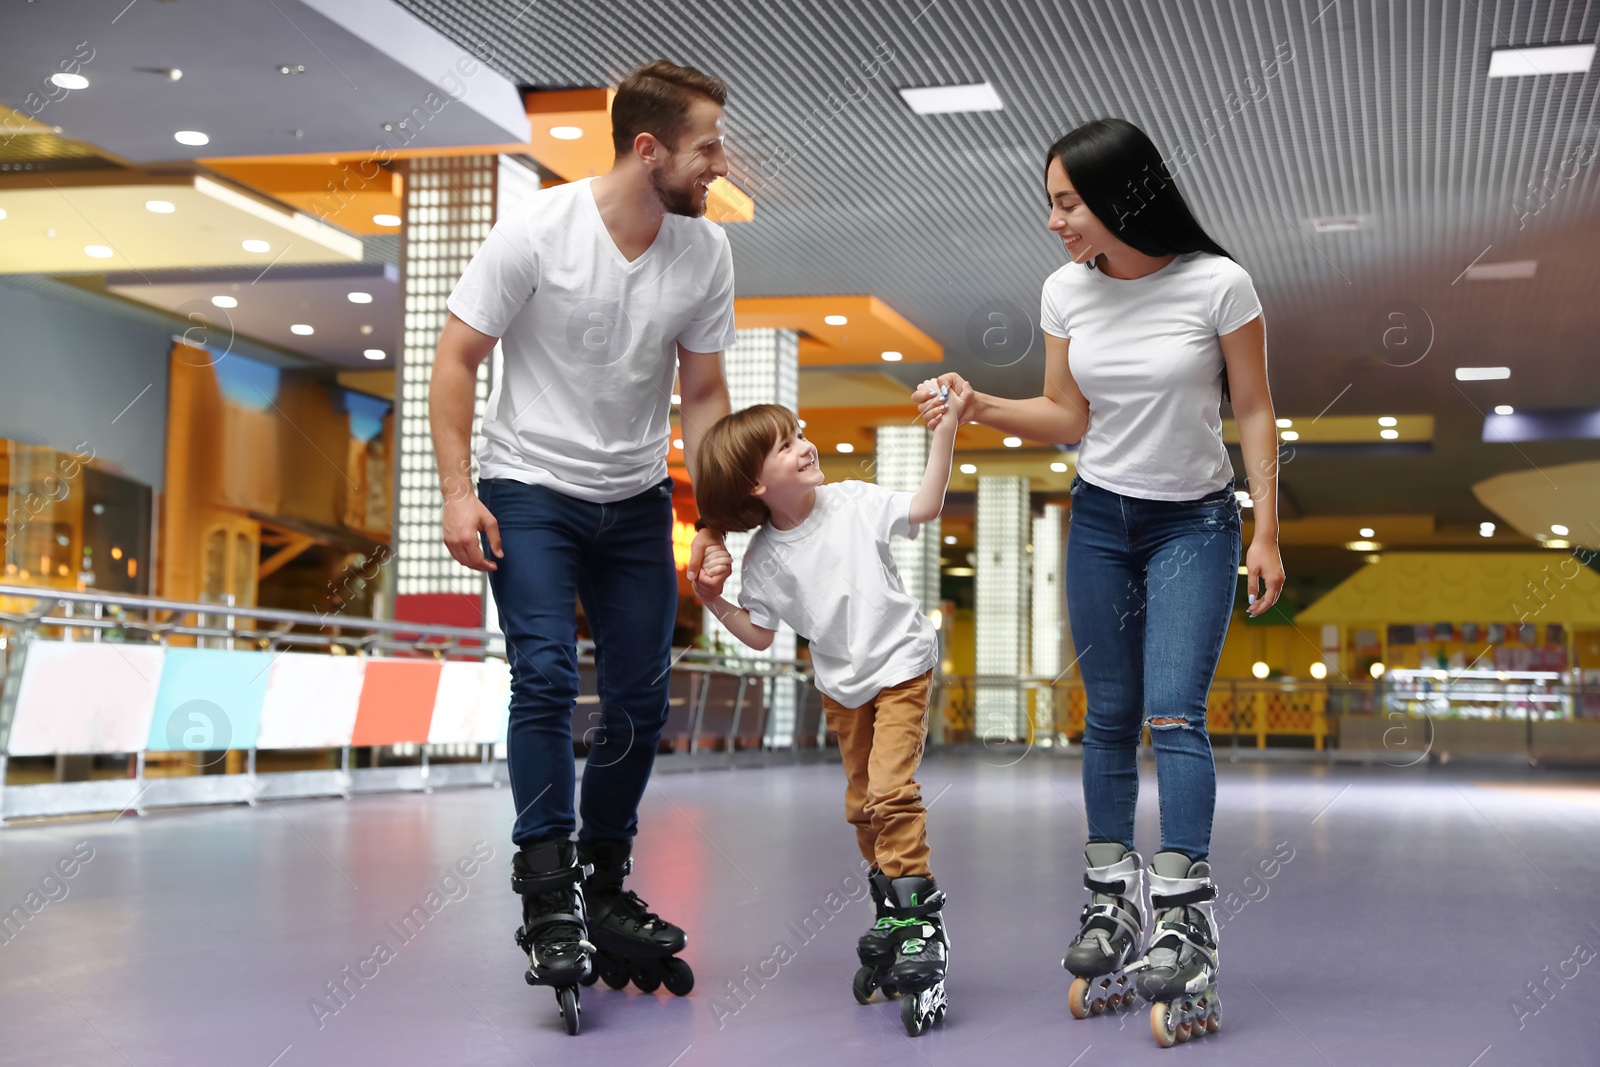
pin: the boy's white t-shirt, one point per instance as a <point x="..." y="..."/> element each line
<point x="833" y="580"/>
<point x="583" y="401"/>
<point x="1146" y="356"/>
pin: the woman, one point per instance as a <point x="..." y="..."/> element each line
<point x="1148" y="328"/>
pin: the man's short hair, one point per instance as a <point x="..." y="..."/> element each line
<point x="655" y="99"/>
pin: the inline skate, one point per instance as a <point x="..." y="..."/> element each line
<point x="921" y="946"/>
<point x="1178" y="974"/>
<point x="1111" y="934"/>
<point x="875" y="949"/>
<point x="554" y="930"/>
<point x="633" y="943"/>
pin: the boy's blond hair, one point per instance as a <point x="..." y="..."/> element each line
<point x="729" y="466"/>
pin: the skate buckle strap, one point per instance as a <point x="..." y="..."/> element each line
<point x="1163" y="901"/>
<point x="1119" y="888"/>
<point x="561" y="878"/>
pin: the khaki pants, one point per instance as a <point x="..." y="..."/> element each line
<point x="880" y="744"/>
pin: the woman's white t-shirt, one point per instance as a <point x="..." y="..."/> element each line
<point x="589" y="341"/>
<point x="833" y="580"/>
<point x="1146" y="356"/>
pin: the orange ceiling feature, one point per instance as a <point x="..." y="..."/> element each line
<point x="345" y="194"/>
<point x="870" y="329"/>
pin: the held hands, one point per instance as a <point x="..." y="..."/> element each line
<point x="1265" y="566"/>
<point x="933" y="408"/>
<point x="710" y="563"/>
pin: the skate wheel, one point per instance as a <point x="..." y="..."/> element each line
<point x="677" y="976"/>
<point x="614" y="977"/>
<point x="647" y="978"/>
<point x="909" y="1015"/>
<point x="1161" y="1027"/>
<point x="1078" y="998"/>
<point x="1213" y="1022"/>
<point x="1097" y="1007"/>
<point x="863" y="986"/>
<point x="938" y="1014"/>
<point x="1184" y="1032"/>
<point x="590" y="979"/>
<point x="567" y="999"/>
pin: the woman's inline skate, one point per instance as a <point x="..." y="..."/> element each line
<point x="1111" y="934"/>
<point x="1178" y="974"/>
<point x="554" y="930"/>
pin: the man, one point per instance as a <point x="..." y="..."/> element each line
<point x="595" y="290"/>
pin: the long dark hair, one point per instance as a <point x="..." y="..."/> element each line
<point x="1120" y="175"/>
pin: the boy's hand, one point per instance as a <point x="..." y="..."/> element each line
<point x="715" y="566"/>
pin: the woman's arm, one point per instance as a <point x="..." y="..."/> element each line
<point x="1060" y="416"/>
<point x="1245" y="353"/>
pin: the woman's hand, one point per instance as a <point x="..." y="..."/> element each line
<point x="932" y="409"/>
<point x="1263" y="564"/>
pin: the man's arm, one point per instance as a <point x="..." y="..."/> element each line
<point x="704" y="393"/>
<point x="451" y="392"/>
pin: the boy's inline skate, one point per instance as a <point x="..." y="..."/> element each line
<point x="875" y="949"/>
<point x="1179" y="971"/>
<point x="921" y="947"/>
<point x="554" y="930"/>
<point x="633" y="942"/>
<point x="1111" y="934"/>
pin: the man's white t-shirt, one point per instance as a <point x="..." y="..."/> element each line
<point x="583" y="401"/>
<point x="1146" y="356"/>
<point x="833" y="580"/>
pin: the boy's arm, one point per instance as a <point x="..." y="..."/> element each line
<point x="929" y="499"/>
<point x="737" y="620"/>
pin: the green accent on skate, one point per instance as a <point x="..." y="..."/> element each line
<point x="886" y="923"/>
<point x="913" y="900"/>
<point x="912" y="946"/>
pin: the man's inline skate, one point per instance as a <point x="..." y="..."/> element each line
<point x="921" y="947"/>
<point x="875" y="949"/>
<point x="554" y="930"/>
<point x="1111" y="933"/>
<point x="633" y="943"/>
<point x="1178" y="974"/>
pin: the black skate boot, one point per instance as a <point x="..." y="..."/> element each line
<point x="875" y="949"/>
<point x="554" y="930"/>
<point x="634" y="942"/>
<point x="921" y="947"/>
<point x="1179" y="970"/>
<point x="1110" y="938"/>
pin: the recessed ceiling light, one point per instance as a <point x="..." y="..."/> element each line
<point x="1556" y="59"/>
<point x="191" y="137"/>
<point x="948" y="99"/>
<point x="1510" y="270"/>
<point x="1388" y="420"/>
<point x="1340" y="224"/>
<point x="1367" y="531"/>
<point x="1059" y="467"/>
<point x="844" y="446"/>
<point x="366" y="330"/>
<point x="1504" y="409"/>
<point x="677" y="442"/>
<point x="1363" y="546"/>
<point x="677" y="399"/>
<point x="835" y="320"/>
<point x="1558" y="542"/>
<point x="374" y="353"/>
<point x="949" y="539"/>
<point x="291" y="68"/>
<point x="2" y="212"/>
<point x="386" y="220"/>
<point x="1482" y="374"/>
<point x="1291" y="435"/>
<point x="1485" y="529"/>
<point x="1284" y="424"/>
<point x="159" y="207"/>
<point x="1013" y="442"/>
<point x="359" y="298"/>
<point x="98" y="251"/>
<point x="254" y="245"/>
<point x="69" y="81"/>
<point x="300" y="329"/>
<point x="893" y="357"/>
<point x="969" y="468"/>
<point x="224" y="302"/>
<point x="566" y="133"/>
<point x="1558" y="529"/>
<point x="801" y="421"/>
<point x="1388" y="435"/>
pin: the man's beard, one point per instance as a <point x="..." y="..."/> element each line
<point x="677" y="201"/>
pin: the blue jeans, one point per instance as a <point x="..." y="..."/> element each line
<point x="618" y="559"/>
<point x="1160" y="576"/>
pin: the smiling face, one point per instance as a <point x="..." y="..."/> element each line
<point x="790" y="471"/>
<point x="1081" y="232"/>
<point x="682" y="178"/>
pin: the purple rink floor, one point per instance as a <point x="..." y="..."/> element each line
<point x="1380" y="916"/>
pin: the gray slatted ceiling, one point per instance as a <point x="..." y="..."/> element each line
<point x="1384" y="110"/>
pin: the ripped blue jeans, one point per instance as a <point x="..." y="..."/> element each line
<point x="1150" y="591"/>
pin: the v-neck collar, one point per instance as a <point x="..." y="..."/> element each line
<point x="611" y="242"/>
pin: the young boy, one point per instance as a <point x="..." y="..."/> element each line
<point x="820" y="562"/>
